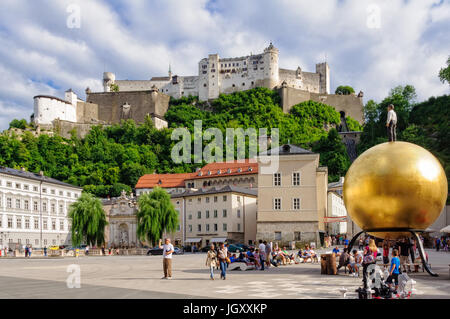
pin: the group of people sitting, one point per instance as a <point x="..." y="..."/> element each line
<point x="355" y="260"/>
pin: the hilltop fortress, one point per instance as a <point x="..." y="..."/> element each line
<point x="134" y="99"/>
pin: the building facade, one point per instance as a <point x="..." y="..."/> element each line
<point x="292" y="198"/>
<point x="217" y="215"/>
<point x="242" y="174"/>
<point x="337" y="223"/>
<point x="34" y="209"/>
<point x="218" y="75"/>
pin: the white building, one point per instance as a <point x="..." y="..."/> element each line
<point x="34" y="209"/>
<point x="216" y="215"/>
<point x="336" y="209"/>
<point x="226" y="75"/>
<point x="48" y="108"/>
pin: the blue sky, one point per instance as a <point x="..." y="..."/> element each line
<point x="137" y="39"/>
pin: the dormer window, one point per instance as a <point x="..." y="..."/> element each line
<point x="209" y="172"/>
<point x="239" y="170"/>
<point x="250" y="169"/>
<point x="200" y="173"/>
<point x="229" y="170"/>
<point x="219" y="172"/>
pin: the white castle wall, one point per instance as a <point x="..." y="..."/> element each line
<point x="226" y="75"/>
<point x="47" y="109"/>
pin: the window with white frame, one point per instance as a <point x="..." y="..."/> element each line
<point x="10" y="222"/>
<point x="26" y="204"/>
<point x="27" y="223"/>
<point x="17" y="203"/>
<point x="9" y="202"/>
<point x="224" y="227"/>
<point x="35" y="205"/>
<point x="277" y="203"/>
<point x="44" y="224"/>
<point x="296" y="203"/>
<point x="224" y="213"/>
<point x="44" y="206"/>
<point x="53" y="224"/>
<point x="190" y="228"/>
<point x="277" y="179"/>
<point x="207" y="227"/>
<point x="296" y="179"/>
<point x="19" y="222"/>
<point x="36" y="223"/>
<point x="199" y="227"/>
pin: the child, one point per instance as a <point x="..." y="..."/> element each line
<point x="394" y="270"/>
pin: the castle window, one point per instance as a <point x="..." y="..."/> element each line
<point x="213" y="70"/>
<point x="204" y="72"/>
<point x="234" y="85"/>
<point x="243" y="84"/>
<point x="204" y="85"/>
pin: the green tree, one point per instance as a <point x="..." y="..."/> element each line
<point x="333" y="154"/>
<point x="156" y="215"/>
<point x="344" y="90"/>
<point x="88" y="221"/>
<point x="21" y="124"/>
<point x="444" y="73"/>
<point x="114" y="87"/>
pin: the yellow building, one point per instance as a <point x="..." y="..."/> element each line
<point x="292" y="196"/>
<point x="216" y="215"/>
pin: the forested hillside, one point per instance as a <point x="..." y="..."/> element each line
<point x="112" y="158"/>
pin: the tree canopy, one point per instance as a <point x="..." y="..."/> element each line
<point x="88" y="221"/>
<point x="156" y="215"/>
<point x="344" y="90"/>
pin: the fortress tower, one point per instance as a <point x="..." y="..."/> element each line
<point x="108" y="79"/>
<point x="271" y="74"/>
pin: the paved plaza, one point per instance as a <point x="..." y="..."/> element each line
<point x="140" y="277"/>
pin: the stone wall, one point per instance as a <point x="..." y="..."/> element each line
<point x="64" y="128"/>
<point x="308" y="231"/>
<point x="141" y="103"/>
<point x="351" y="105"/>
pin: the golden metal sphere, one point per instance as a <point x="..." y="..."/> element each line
<point x="395" y="185"/>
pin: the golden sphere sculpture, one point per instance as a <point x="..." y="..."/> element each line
<point x="395" y="185"/>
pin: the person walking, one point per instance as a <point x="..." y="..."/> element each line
<point x="86" y="252"/>
<point x="30" y="249"/>
<point x="167" y="257"/>
<point x="262" y="253"/>
<point x="394" y="270"/>
<point x="361" y="243"/>
<point x="45" y="251"/>
<point x="211" y="260"/>
<point x="391" y="123"/>
<point x="268" y="253"/>
<point x="223" y="255"/>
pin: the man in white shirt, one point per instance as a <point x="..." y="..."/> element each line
<point x="167" y="258"/>
<point x="262" y="253"/>
<point x="391" y="123"/>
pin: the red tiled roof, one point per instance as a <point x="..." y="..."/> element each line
<point x="163" y="180"/>
<point x="228" y="169"/>
<point x="178" y="180"/>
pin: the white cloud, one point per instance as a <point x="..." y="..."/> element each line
<point x="138" y="39"/>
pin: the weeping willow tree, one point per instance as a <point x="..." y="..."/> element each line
<point x="88" y="221"/>
<point x="155" y="216"/>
